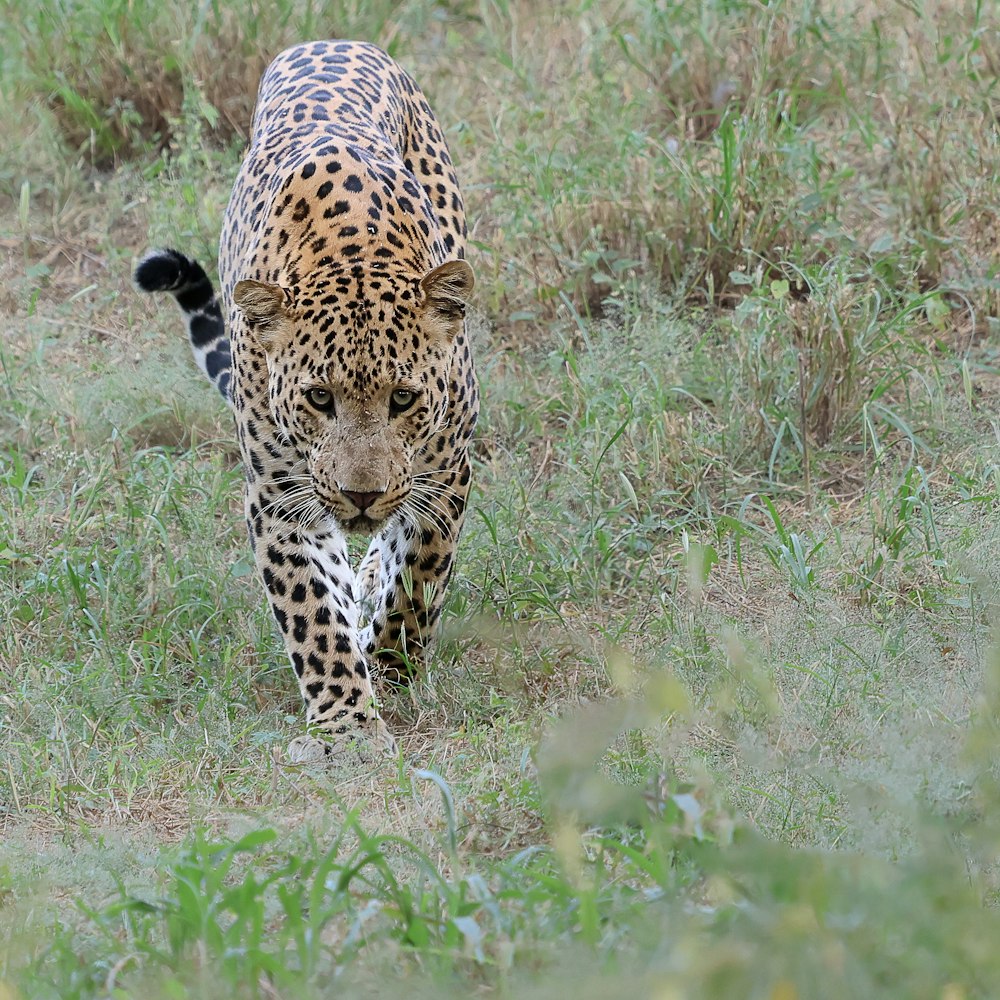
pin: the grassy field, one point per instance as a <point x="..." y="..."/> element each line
<point x="716" y="708"/>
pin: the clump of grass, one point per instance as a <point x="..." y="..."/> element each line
<point x="700" y="62"/>
<point x="826" y="353"/>
<point x="691" y="212"/>
<point x="121" y="77"/>
<point x="727" y="137"/>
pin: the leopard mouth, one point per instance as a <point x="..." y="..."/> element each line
<point x="362" y="523"/>
<point x="358" y="524"/>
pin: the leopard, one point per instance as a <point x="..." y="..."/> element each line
<point x="339" y="339"/>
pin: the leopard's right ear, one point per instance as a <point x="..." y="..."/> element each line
<point x="266" y="310"/>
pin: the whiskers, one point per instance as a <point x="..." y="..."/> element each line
<point x="428" y="503"/>
<point x="299" y="503"/>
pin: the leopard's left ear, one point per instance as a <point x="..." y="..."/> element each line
<point x="447" y="289"/>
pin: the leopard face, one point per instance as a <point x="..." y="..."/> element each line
<point x="358" y="380"/>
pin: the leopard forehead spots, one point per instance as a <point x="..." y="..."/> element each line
<point x="364" y="330"/>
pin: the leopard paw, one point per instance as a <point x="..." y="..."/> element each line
<point x="363" y="747"/>
<point x="309" y="750"/>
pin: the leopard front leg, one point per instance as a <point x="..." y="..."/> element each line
<point x="309" y="585"/>
<point x="414" y="556"/>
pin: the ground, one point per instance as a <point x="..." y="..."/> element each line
<point x="716" y="704"/>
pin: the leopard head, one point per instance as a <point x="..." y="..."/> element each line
<point x="358" y="377"/>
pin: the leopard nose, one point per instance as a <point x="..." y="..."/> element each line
<point x="362" y="500"/>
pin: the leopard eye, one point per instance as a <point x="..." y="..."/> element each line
<point x="402" y="400"/>
<point x="320" y="399"/>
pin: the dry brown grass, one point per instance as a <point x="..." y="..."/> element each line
<point x="121" y="78"/>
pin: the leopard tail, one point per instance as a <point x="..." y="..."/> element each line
<point x="185" y="279"/>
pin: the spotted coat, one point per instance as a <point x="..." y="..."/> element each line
<point x="339" y="340"/>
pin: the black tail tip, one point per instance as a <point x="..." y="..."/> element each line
<point x="161" y="271"/>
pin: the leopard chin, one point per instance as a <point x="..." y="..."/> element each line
<point x="362" y="524"/>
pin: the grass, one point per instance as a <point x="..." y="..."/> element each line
<point x="715" y="708"/>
